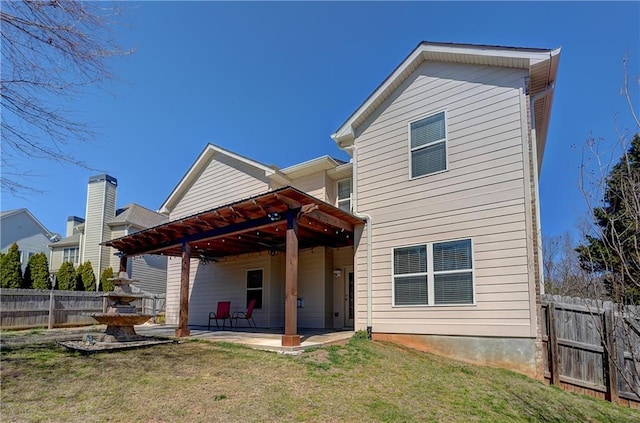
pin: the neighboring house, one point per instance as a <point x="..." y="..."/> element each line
<point x="21" y="227"/>
<point x="442" y="248"/>
<point x="104" y="222"/>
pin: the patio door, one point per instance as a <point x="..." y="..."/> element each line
<point x="349" y="297"/>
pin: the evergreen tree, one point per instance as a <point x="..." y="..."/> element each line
<point x="614" y="251"/>
<point x="10" y="268"/>
<point x="105" y="284"/>
<point x="36" y="275"/>
<point x="86" y="275"/>
<point x="67" y="277"/>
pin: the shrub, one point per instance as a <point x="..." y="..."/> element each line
<point x="87" y="277"/>
<point x="10" y="268"/>
<point x="105" y="284"/>
<point x="36" y="275"/>
<point x="67" y="277"/>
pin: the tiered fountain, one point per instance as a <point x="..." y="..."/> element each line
<point x="121" y="316"/>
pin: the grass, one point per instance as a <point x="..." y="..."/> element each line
<point x="204" y="382"/>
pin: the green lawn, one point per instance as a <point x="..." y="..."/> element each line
<point x="202" y="381"/>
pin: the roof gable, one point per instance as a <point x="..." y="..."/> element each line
<point x="138" y="216"/>
<point x="209" y="152"/>
<point x="10" y="213"/>
<point x="542" y="65"/>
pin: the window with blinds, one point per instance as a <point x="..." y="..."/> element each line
<point x="438" y="273"/>
<point x="428" y="143"/>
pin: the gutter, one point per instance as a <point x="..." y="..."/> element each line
<point x="534" y="151"/>
<point x="367" y="218"/>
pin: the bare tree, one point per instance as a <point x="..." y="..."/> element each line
<point x="51" y="51"/>
<point x="610" y="250"/>
<point x="563" y="273"/>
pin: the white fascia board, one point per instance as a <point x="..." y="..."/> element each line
<point x="327" y="162"/>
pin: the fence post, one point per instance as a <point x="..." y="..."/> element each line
<point x="155" y="314"/>
<point x="554" y="366"/>
<point x="610" y="353"/>
<point x="52" y="304"/>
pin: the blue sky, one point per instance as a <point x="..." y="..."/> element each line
<point x="273" y="81"/>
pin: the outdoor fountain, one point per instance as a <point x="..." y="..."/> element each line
<point x="120" y="318"/>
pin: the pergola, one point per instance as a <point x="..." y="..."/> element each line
<point x="285" y="219"/>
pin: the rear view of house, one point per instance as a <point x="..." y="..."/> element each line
<point x="429" y="236"/>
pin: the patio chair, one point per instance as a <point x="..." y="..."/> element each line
<point x="221" y="313"/>
<point x="246" y="315"/>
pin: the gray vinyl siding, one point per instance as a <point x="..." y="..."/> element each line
<point x="21" y="229"/>
<point x="151" y="272"/>
<point x="223" y="181"/>
<point x="114" y="260"/>
<point x="482" y="195"/>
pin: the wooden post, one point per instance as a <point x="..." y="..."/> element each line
<point x="123" y="264"/>
<point x="290" y="337"/>
<point x="183" y="323"/>
<point x="155" y="313"/>
<point x="554" y="361"/>
<point x="52" y="309"/>
<point x="611" y="371"/>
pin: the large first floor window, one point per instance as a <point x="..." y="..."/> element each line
<point x="70" y="254"/>
<point x="254" y="287"/>
<point x="438" y="273"/>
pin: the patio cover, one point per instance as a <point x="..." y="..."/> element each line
<point x="284" y="220"/>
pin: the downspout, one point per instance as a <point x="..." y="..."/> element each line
<point x="367" y="218"/>
<point x="534" y="153"/>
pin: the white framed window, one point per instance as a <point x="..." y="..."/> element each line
<point x="254" y="286"/>
<point x="344" y="195"/>
<point x="71" y="255"/>
<point x="428" y="145"/>
<point x="433" y="274"/>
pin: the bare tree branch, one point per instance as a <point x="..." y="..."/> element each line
<point x="51" y="52"/>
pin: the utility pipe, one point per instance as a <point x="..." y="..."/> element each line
<point x="367" y="218"/>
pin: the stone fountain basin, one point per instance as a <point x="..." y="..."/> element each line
<point x="123" y="298"/>
<point x="121" y="319"/>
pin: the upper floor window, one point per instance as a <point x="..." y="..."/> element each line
<point x="428" y="143"/>
<point x="439" y="273"/>
<point x="344" y="195"/>
<point x="71" y="255"/>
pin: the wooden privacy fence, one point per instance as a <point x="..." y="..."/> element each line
<point x="33" y="308"/>
<point x="592" y="347"/>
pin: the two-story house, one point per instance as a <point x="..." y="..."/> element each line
<point x="429" y="236"/>
<point x="104" y="221"/>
